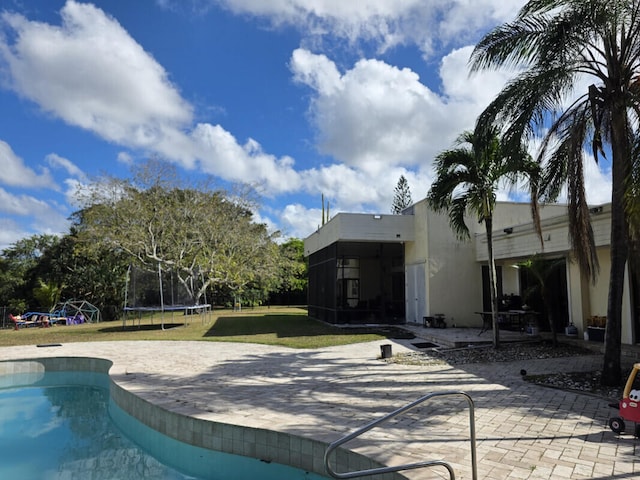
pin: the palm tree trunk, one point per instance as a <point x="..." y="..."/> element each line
<point x="488" y="223"/>
<point x="611" y="370"/>
<point x="544" y="293"/>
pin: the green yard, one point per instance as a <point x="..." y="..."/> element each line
<point x="285" y="326"/>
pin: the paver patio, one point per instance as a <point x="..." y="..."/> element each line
<point x="524" y="431"/>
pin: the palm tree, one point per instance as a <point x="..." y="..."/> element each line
<point x="468" y="177"/>
<point x="558" y="46"/>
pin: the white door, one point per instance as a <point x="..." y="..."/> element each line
<point x="415" y="293"/>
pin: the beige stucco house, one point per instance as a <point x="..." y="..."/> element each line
<point x="366" y="268"/>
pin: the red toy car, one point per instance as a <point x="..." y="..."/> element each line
<point x="629" y="406"/>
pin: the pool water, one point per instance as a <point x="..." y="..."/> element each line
<point x="67" y="431"/>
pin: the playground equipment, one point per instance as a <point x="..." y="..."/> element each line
<point x="629" y="406"/>
<point x="76" y="309"/>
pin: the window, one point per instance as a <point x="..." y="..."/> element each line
<point x="348" y="282"/>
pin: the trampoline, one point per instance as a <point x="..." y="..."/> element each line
<point x="160" y="291"/>
<point x="188" y="311"/>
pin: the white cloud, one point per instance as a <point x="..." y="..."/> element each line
<point x="71" y="168"/>
<point x="378" y="120"/>
<point x="22" y="202"/>
<point x="598" y="182"/>
<point x="465" y="19"/>
<point x="10" y="232"/>
<point x="125" y="158"/>
<point x="377" y="115"/>
<point x="25" y="205"/>
<point x="347" y="188"/>
<point x="362" y="116"/>
<point x="425" y="23"/>
<point x="220" y="154"/>
<point x="300" y="221"/>
<point x="469" y="92"/>
<point x="90" y="73"/>
<point x="16" y="174"/>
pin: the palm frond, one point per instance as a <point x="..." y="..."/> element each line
<point x="566" y="166"/>
<point x="457" y="210"/>
<point x="526" y="102"/>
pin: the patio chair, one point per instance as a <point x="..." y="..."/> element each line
<point x="24" y="320"/>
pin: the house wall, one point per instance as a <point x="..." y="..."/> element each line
<point x="599" y="292"/>
<point x="415" y="257"/>
<point x="578" y="290"/>
<point x="523" y="241"/>
<point x="509" y="214"/>
<point x="443" y="274"/>
<point x="360" y="227"/>
<point x="599" y="296"/>
<point x="453" y="282"/>
<point x="586" y="298"/>
<point x="628" y="325"/>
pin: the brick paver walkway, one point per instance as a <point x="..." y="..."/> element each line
<point x="524" y="431"/>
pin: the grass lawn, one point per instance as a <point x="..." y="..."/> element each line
<point x="287" y="326"/>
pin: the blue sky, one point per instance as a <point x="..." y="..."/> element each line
<point x="299" y="98"/>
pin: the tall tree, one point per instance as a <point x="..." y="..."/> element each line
<point x="293" y="276"/>
<point x="468" y="177"/>
<point x="206" y="238"/>
<point x="401" y="197"/>
<point x="578" y="86"/>
<point x="22" y="265"/>
<point x="92" y="272"/>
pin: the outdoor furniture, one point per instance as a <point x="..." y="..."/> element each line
<point x="518" y="319"/>
<point x="523" y="320"/>
<point x="487" y="321"/>
<point x="54" y="320"/>
<point x="437" y="321"/>
<point x="31" y="319"/>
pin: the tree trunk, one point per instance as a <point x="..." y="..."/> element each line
<point x="488" y="223"/>
<point x="611" y="370"/>
<point x="550" y="316"/>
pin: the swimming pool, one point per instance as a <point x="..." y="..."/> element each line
<point x="63" y="425"/>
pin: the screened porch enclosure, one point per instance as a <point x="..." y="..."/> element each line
<point x="357" y="282"/>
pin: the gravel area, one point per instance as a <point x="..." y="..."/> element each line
<point x="586" y="382"/>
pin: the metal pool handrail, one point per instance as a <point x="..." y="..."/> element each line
<point x="409" y="466"/>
